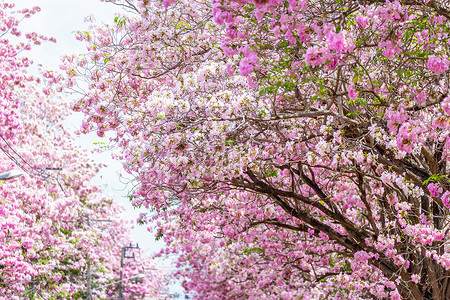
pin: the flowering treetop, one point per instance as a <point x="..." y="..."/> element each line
<point x="290" y="147"/>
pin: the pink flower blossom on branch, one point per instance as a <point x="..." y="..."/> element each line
<point x="438" y="64"/>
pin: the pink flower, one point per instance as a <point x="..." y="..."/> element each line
<point x="435" y="189"/>
<point x="396" y="118"/>
<point x="351" y="92"/>
<point x="437" y="236"/>
<point x="446" y="105"/>
<point x="315" y="56"/>
<point x="446" y="198"/>
<point x="226" y="49"/>
<point x="332" y="62"/>
<point x="324" y="236"/>
<point x="390" y="49"/>
<point x="258" y="14"/>
<point x="230" y="70"/>
<point x="362" y="21"/>
<point x="395" y="295"/>
<point x="421" y="97"/>
<point x="167" y="3"/>
<point x="409" y="134"/>
<point x="438" y="64"/>
<point x="247" y="65"/>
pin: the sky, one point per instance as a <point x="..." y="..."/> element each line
<point x="61" y="19"/>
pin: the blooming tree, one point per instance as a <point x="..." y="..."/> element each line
<point x="291" y="149"/>
<point x="51" y="243"/>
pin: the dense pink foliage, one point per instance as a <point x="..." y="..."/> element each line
<point x="46" y="240"/>
<point x="291" y="149"/>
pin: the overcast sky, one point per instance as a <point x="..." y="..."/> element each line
<point x="61" y="19"/>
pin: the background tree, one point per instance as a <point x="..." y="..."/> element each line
<point x="48" y="241"/>
<point x="288" y="147"/>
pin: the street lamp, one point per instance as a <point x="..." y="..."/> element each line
<point x="10" y="174"/>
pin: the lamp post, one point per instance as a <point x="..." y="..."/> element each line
<point x="10" y="174"/>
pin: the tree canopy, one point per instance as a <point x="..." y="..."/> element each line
<point x="290" y="149"/>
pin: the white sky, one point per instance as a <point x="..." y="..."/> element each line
<point x="61" y="19"/>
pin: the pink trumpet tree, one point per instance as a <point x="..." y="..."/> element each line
<point x="291" y="149"/>
<point x="50" y="247"/>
